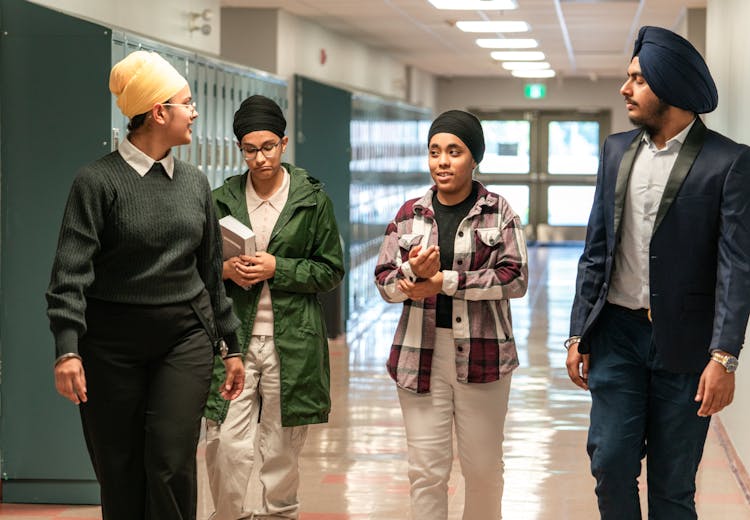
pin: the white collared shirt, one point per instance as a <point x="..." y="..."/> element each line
<point x="141" y="162"/>
<point x="629" y="286"/>
<point x="264" y="213"/>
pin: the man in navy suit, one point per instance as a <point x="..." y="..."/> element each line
<point x="663" y="288"/>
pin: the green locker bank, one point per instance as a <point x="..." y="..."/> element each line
<point x="56" y="114"/>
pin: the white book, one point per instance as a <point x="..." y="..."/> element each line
<point x="237" y="238"/>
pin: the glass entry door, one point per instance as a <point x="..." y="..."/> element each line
<point x="544" y="163"/>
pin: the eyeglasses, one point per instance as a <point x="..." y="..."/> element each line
<point x="268" y="150"/>
<point x="189" y="106"/>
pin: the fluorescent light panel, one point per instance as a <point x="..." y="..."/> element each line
<point x="517" y="55"/>
<point x="471" y="5"/>
<point x="493" y="27"/>
<point x="525" y="65"/>
<point x="549" y="73"/>
<point x="507" y="43"/>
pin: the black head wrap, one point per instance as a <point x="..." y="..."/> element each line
<point x="675" y="70"/>
<point x="463" y="125"/>
<point x="258" y="113"/>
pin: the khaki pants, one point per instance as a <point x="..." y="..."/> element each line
<point x="478" y="413"/>
<point x="230" y="445"/>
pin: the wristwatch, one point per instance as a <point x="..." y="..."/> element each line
<point x="728" y="361"/>
<point x="223" y="348"/>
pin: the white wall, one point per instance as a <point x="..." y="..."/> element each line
<point x="164" y="20"/>
<point x="727" y="54"/>
<point x="572" y="93"/>
<point x="248" y="37"/>
<point x="347" y="62"/>
<point x="422" y="88"/>
<point x="284" y="44"/>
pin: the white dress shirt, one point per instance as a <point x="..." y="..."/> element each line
<point x="629" y="286"/>
<point x="141" y="162"/>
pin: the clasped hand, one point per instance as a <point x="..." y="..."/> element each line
<point x="426" y="267"/>
<point x="246" y="271"/>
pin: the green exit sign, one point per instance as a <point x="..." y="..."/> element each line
<point x="534" y="90"/>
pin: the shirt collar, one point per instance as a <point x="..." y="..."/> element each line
<point x="678" y="139"/>
<point x="277" y="200"/>
<point x="141" y="162"/>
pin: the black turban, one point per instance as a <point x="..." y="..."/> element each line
<point x="675" y="70"/>
<point x="258" y="113"/>
<point x="463" y="125"/>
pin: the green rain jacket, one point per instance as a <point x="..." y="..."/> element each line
<point x="309" y="261"/>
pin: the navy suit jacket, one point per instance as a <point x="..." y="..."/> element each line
<point x="699" y="259"/>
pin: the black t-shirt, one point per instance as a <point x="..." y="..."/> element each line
<point x="448" y="218"/>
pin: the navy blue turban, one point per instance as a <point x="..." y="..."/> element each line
<point x="258" y="113"/>
<point x="675" y="70"/>
<point x="463" y="125"/>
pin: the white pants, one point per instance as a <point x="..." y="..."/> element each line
<point x="230" y="444"/>
<point x="478" y="412"/>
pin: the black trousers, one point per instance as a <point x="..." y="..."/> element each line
<point x="148" y="371"/>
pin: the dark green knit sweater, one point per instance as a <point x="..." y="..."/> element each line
<point x="140" y="240"/>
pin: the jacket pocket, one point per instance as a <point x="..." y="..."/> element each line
<point x="490" y="237"/>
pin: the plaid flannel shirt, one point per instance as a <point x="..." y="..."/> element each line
<point x="490" y="265"/>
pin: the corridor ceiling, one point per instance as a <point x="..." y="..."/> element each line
<point x="580" y="38"/>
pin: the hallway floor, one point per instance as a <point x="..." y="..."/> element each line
<point x="354" y="468"/>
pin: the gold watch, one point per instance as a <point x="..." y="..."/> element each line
<point x="728" y="361"/>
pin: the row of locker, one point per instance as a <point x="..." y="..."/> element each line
<point x="387" y="136"/>
<point x="218" y="89"/>
<point x="388" y="139"/>
<point x="372" y="207"/>
<point x="388" y="146"/>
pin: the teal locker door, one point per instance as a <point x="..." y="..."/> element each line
<point x="210" y="124"/>
<point x="238" y="163"/>
<point x="322" y="146"/>
<point x="220" y="148"/>
<point x="54" y="118"/>
<point x="192" y="77"/>
<point x="200" y="126"/>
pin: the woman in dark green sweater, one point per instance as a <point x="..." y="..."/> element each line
<point x="136" y="301"/>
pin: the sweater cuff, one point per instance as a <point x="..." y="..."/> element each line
<point x="233" y="344"/>
<point x="66" y="342"/>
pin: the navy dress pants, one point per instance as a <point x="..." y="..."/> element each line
<point x="148" y="371"/>
<point x="640" y="410"/>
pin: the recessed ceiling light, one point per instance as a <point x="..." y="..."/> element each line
<point x="507" y="43"/>
<point x="471" y="5"/>
<point x="493" y="27"/>
<point x="548" y="73"/>
<point x="525" y="65"/>
<point x="517" y="55"/>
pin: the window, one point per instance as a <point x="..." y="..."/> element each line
<point x="506" y="147"/>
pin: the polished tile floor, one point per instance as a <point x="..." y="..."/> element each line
<point x="355" y="466"/>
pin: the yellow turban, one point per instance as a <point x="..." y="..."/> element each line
<point x="142" y="79"/>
